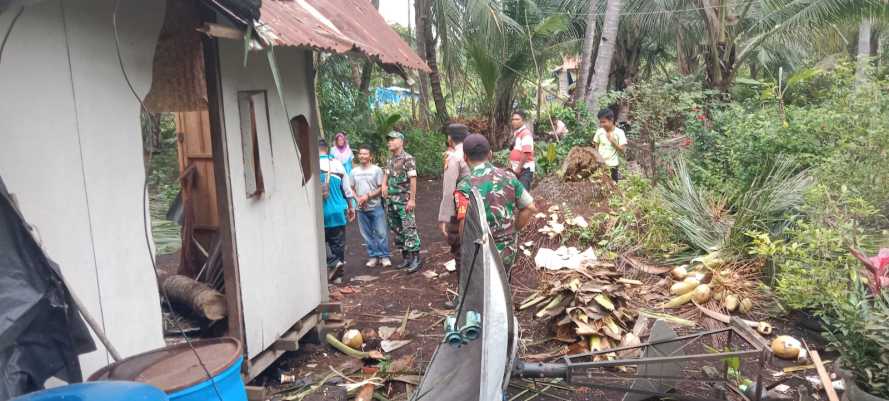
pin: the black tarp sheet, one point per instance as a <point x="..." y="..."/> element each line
<point x="41" y="331"/>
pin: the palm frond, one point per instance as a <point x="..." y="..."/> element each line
<point x="712" y="224"/>
<point x="699" y="215"/>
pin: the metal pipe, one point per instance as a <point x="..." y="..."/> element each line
<point x="540" y="370"/>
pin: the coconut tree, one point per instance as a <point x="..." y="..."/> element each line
<point x="428" y="51"/>
<point x="586" y="53"/>
<point x="607" y="46"/>
<point x="510" y="41"/>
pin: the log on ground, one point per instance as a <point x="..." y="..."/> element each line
<point x="196" y="296"/>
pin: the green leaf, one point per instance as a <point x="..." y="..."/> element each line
<point x="748" y="81"/>
<point x="552" y="25"/>
<point x="485" y="66"/>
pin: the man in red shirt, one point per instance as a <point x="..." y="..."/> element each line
<point x="521" y="158"/>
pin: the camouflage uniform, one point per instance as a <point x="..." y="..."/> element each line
<point x="399" y="170"/>
<point x="502" y="194"/>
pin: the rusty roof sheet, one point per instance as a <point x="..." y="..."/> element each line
<point x="338" y="26"/>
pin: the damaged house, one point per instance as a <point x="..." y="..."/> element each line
<point x="77" y="79"/>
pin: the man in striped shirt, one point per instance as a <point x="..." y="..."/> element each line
<point x="521" y="158"/>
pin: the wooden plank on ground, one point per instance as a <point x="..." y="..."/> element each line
<point x="825" y="378"/>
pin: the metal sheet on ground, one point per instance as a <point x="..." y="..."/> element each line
<point x="477" y="370"/>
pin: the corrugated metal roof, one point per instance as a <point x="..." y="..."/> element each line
<point x="338" y="26"/>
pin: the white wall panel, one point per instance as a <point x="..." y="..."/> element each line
<point x="277" y="234"/>
<point x="70" y="150"/>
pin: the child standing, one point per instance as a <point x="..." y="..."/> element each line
<point x="368" y="181"/>
<point x="610" y="141"/>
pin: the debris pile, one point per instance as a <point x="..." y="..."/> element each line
<point x="590" y="302"/>
<point x="581" y="162"/>
<point x="732" y="286"/>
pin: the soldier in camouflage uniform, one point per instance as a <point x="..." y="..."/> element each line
<point x="508" y="205"/>
<point x="400" y="192"/>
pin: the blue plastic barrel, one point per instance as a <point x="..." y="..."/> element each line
<point x="102" y="391"/>
<point x="205" y="370"/>
<point x="228" y="384"/>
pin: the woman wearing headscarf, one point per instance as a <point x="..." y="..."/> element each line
<point x="342" y="152"/>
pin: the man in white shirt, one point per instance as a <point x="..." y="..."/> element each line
<point x="610" y="141"/>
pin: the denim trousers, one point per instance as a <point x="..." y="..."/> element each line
<point x="374" y="230"/>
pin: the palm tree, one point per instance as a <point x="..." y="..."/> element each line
<point x="586" y="53"/>
<point x="607" y="46"/>
<point x="510" y="41"/>
<point x="863" y="56"/>
<point x="428" y="51"/>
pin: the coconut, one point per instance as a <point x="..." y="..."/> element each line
<point x="719" y="295"/>
<point x="745" y="306"/>
<point x="353" y="339"/>
<point x="702" y="294"/>
<point x="786" y="347"/>
<point x="731" y="302"/>
<point x="679" y="272"/>
<point x="684" y="287"/>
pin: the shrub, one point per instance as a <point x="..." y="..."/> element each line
<point x="841" y="136"/>
<point x="428" y="148"/>
<point x="812" y="262"/>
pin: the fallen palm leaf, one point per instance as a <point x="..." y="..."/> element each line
<point x="551" y="305"/>
<point x="603" y="300"/>
<point x="533" y="301"/>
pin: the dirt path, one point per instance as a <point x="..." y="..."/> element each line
<point x="376" y="297"/>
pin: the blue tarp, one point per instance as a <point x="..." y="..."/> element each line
<point x="391" y="95"/>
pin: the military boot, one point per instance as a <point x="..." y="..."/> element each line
<point x="405" y="260"/>
<point x="415" y="264"/>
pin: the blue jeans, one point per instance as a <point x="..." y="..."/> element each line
<point x="375" y="232"/>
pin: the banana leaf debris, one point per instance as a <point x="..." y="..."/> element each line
<point x="590" y="302"/>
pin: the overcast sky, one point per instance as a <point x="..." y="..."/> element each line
<point x="397" y="11"/>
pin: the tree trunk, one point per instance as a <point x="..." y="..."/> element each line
<point x="356" y="73"/>
<point x="586" y="54"/>
<point x="539" y="97"/>
<point x="441" y="108"/>
<point x="607" y="46"/>
<point x="864" y="45"/>
<point x="504" y="94"/>
<point x="422" y="78"/>
<point x="368" y="67"/>
<point x="627" y="60"/>
<point x="196" y="296"/>
<point x="685" y="57"/>
<point x="720" y="57"/>
<point x="366" y="73"/>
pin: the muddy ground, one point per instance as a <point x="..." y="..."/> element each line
<point x="390" y="295"/>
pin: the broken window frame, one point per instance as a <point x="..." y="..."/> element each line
<point x="254" y="183"/>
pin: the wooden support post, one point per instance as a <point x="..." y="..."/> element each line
<point x="256" y="393"/>
<point x="221" y="170"/>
